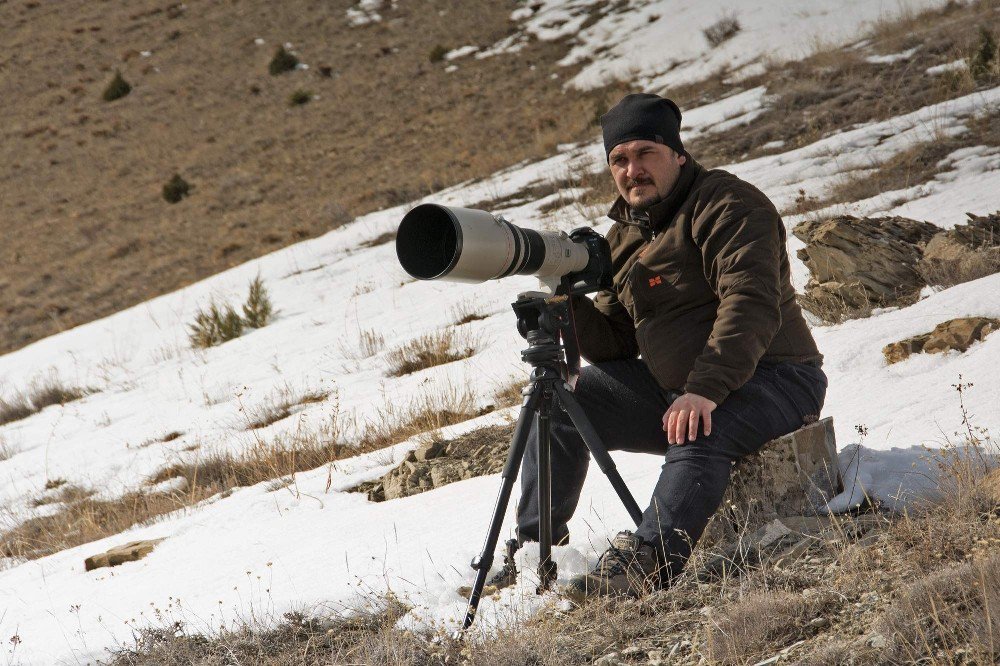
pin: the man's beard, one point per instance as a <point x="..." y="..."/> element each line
<point x="646" y="202"/>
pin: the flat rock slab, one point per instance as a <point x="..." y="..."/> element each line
<point x="955" y="334"/>
<point x="130" y="552"/>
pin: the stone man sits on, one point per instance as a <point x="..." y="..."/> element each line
<point x="699" y="352"/>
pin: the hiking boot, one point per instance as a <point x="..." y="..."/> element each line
<point x="505" y="577"/>
<point x="628" y="568"/>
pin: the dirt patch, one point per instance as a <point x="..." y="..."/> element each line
<point x="87" y="231"/>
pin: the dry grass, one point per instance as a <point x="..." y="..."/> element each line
<point x="277" y="406"/>
<point x="836" y="88"/>
<point x="971" y="266"/>
<point x="40" y="393"/>
<point x="7" y="450"/>
<point x="397" y="421"/>
<point x="923" y="587"/>
<point x="432" y="349"/>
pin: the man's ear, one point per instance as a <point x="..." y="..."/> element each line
<point x="682" y="159"/>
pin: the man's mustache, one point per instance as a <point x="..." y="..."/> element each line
<point x="630" y="183"/>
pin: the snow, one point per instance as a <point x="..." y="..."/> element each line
<point x="892" y="57"/>
<point x="673" y="48"/>
<point x="461" y="52"/>
<point x="954" y="66"/>
<point x="262" y="551"/>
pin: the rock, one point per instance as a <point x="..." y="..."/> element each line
<point x="130" y="552"/>
<point x="428" y="451"/>
<point x="438" y="463"/>
<point x="877" y="641"/>
<point x="793" y="475"/>
<point x="954" y="334"/>
<point x="610" y="659"/>
<point x="862" y="262"/>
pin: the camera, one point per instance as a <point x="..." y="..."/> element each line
<point x="436" y="242"/>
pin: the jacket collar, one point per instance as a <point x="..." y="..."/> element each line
<point x="660" y="214"/>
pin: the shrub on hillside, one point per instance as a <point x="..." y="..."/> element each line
<point x="437" y="53"/>
<point x="722" y="30"/>
<point x="984" y="63"/>
<point x="258" y="309"/>
<point x="176" y="189"/>
<point x="117" y="88"/>
<point x="221" y="323"/>
<point x="282" y="62"/>
<point x="300" y="97"/>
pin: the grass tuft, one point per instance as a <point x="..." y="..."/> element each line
<point x="40" y="393"/>
<point x="430" y="350"/>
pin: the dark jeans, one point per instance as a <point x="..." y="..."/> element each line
<point x="626" y="406"/>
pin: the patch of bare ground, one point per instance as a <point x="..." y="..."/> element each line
<point x="86" y="228"/>
<point x="838" y="88"/>
<point x="879" y="589"/>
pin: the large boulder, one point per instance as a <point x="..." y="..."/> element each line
<point x="857" y="263"/>
<point x="955" y="334"/>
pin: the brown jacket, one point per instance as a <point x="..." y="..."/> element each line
<point x="701" y="288"/>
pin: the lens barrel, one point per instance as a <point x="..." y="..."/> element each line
<point x="468" y="245"/>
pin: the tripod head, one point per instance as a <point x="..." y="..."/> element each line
<point x="546" y="322"/>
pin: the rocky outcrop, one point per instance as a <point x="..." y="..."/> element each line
<point x="437" y="463"/>
<point x="130" y="552"/>
<point x="858" y="263"/>
<point x="955" y="334"/>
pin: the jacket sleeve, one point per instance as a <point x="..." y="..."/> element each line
<point x="741" y="253"/>
<point x="604" y="328"/>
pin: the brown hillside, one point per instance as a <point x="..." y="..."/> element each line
<point x="84" y="225"/>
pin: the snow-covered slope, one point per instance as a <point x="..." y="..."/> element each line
<point x="261" y="552"/>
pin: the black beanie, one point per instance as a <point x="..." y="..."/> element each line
<point x="642" y="116"/>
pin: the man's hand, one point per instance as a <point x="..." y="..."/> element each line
<point x="681" y="420"/>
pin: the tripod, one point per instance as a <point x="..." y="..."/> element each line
<point x="543" y="320"/>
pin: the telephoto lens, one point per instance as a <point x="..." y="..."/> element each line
<point x="437" y="242"/>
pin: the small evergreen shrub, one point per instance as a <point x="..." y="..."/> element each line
<point x="984" y="63"/>
<point x="176" y="189"/>
<point x="282" y="62"/>
<point x="117" y="88"/>
<point x="257" y="310"/>
<point x="437" y="53"/>
<point x="221" y="323"/>
<point x="214" y="326"/>
<point x="300" y="97"/>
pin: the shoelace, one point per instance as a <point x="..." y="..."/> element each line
<point x="615" y="561"/>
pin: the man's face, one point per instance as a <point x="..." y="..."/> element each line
<point x="644" y="171"/>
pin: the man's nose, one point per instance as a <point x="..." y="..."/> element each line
<point x="634" y="170"/>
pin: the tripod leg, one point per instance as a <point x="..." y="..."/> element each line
<point x="519" y="441"/>
<point x="546" y="567"/>
<point x="598" y="450"/>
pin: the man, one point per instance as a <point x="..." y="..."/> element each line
<point x="702" y="292"/>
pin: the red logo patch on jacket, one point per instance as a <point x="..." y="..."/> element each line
<point x="653" y="281"/>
